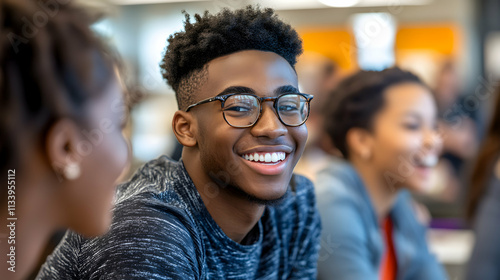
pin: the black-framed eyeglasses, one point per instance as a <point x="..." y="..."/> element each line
<point x="244" y="110"/>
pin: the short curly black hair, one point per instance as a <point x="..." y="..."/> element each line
<point x="356" y="101"/>
<point x="226" y="32"/>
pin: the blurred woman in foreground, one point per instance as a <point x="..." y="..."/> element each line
<point x="61" y="143"/>
<point x="484" y="203"/>
<point x="384" y="124"/>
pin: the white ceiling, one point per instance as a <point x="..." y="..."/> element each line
<point x="142" y="2"/>
<point x="292" y="4"/>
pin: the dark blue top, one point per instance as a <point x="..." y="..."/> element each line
<point x="162" y="230"/>
<point x="352" y="244"/>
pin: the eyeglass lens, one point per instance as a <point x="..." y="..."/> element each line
<point x="243" y="110"/>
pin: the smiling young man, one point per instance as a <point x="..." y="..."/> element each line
<point x="231" y="208"/>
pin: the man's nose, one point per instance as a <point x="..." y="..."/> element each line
<point x="269" y="124"/>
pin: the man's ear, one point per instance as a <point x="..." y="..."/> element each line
<point x="61" y="144"/>
<point x="360" y="142"/>
<point x="184" y="127"/>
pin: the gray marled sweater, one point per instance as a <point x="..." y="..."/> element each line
<point x="162" y="230"/>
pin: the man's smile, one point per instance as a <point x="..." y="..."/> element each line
<point x="267" y="162"/>
<point x="265" y="157"/>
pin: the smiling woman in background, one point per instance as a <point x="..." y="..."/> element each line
<point x="61" y="143"/>
<point x="384" y="124"/>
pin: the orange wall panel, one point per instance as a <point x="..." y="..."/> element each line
<point x="335" y="43"/>
<point x="442" y="38"/>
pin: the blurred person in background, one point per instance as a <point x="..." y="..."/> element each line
<point x="231" y="207"/>
<point x="384" y="124"/>
<point x="320" y="75"/>
<point x="61" y="143"/>
<point x="484" y="203"/>
<point x="458" y="122"/>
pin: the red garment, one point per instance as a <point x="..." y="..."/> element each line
<point x="389" y="266"/>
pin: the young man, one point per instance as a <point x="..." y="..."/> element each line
<point x="231" y="208"/>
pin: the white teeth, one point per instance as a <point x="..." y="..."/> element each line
<point x="427" y="161"/>
<point x="267" y="157"/>
<point x="430" y="161"/>
<point x="274" y="157"/>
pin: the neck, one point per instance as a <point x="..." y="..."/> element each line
<point x="381" y="194"/>
<point x="235" y="215"/>
<point x="28" y="229"/>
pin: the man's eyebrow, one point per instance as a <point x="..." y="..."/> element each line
<point x="236" y="89"/>
<point x="286" y="89"/>
<point x="242" y="89"/>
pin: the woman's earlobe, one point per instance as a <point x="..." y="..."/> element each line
<point x="61" y="149"/>
<point x="184" y="127"/>
<point x="360" y="143"/>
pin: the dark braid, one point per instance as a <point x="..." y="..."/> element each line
<point x="213" y="36"/>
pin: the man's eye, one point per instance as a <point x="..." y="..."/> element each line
<point x="235" y="108"/>
<point x="288" y="107"/>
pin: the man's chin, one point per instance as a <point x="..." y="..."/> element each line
<point x="261" y="199"/>
<point x="266" y="201"/>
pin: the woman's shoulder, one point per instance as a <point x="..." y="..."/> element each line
<point x="339" y="181"/>
<point x="341" y="197"/>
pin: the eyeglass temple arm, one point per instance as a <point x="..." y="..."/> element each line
<point x="204" y="101"/>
